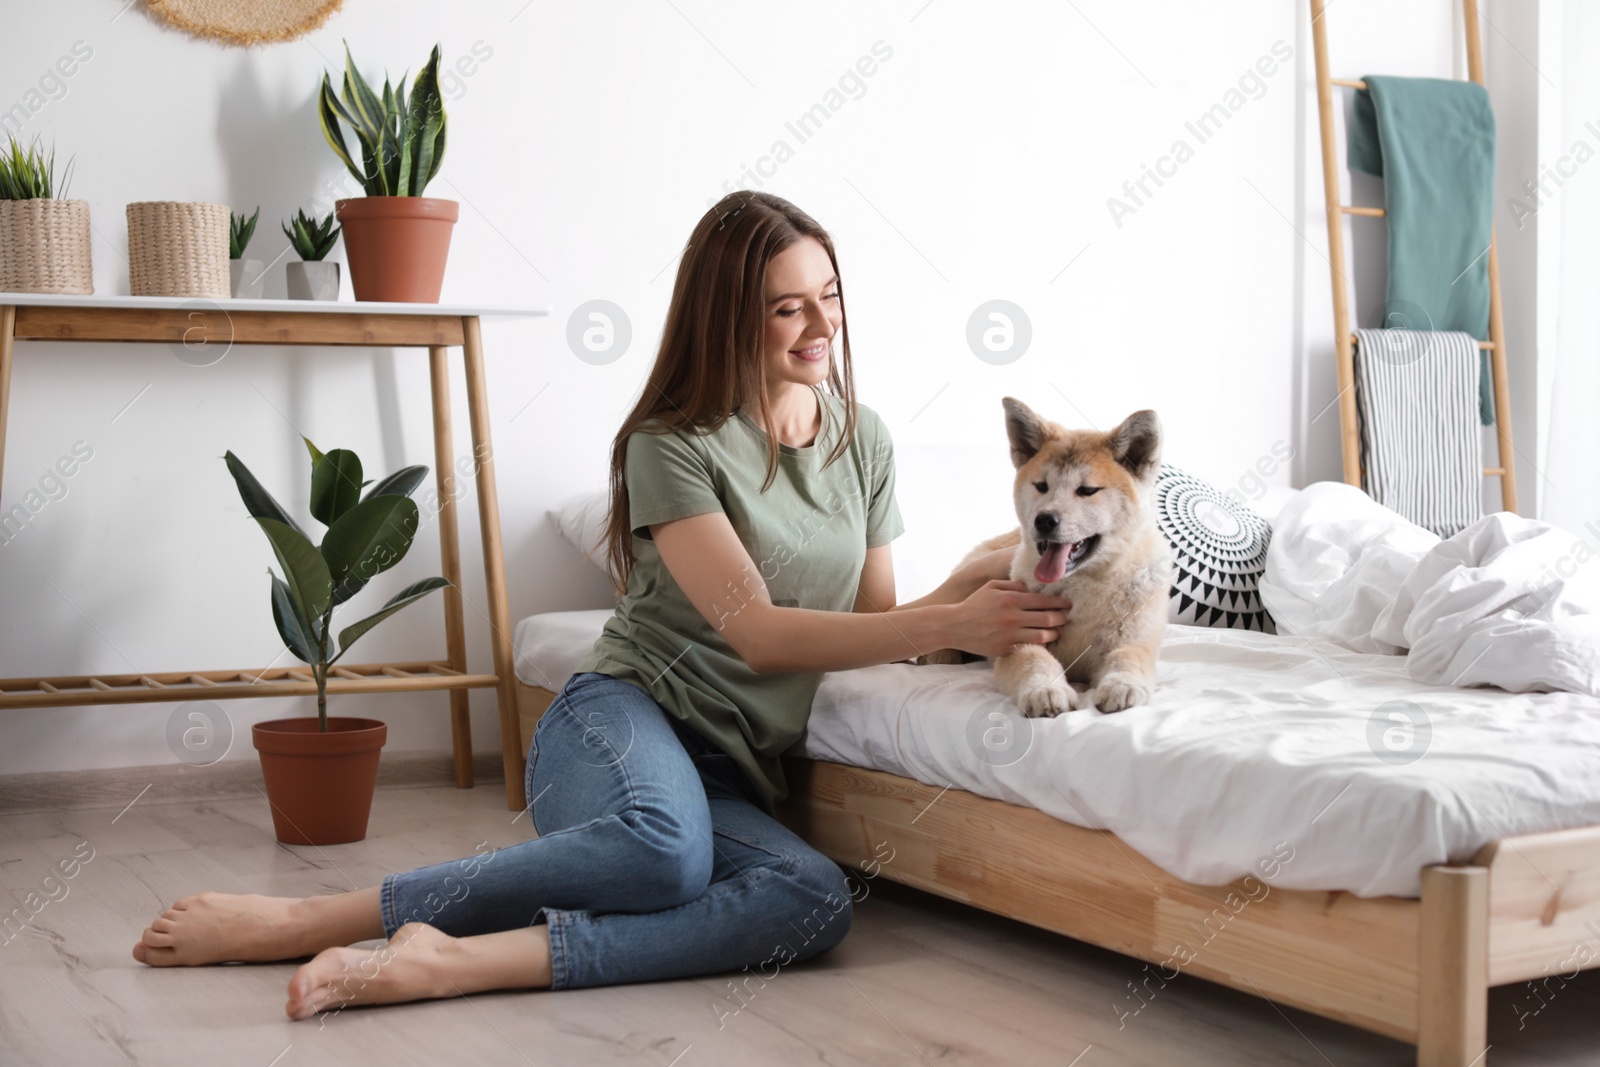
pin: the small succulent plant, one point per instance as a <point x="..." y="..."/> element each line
<point x="311" y="237"/>
<point x="240" y="230"/>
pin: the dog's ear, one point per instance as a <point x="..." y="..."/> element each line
<point x="1137" y="444"/>
<point x="1026" y="430"/>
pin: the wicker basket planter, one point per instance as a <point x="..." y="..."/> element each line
<point x="177" y="249"/>
<point x="44" y="247"/>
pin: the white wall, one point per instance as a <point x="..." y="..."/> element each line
<point x="976" y="165"/>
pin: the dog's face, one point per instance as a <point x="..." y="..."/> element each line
<point x="1081" y="495"/>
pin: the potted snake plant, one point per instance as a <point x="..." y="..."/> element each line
<point x="396" y="239"/>
<point x="320" y="772"/>
<point x="312" y="278"/>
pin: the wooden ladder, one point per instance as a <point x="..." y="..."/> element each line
<point x="1344" y="337"/>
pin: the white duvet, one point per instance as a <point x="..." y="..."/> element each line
<point x="1508" y="601"/>
<point x="1325" y="744"/>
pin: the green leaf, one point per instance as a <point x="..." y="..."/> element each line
<point x="365" y="102"/>
<point x="427" y="121"/>
<point x="416" y="591"/>
<point x="402" y="181"/>
<point x="335" y="485"/>
<point x="257" y="501"/>
<point x="310" y="584"/>
<point x="328" y="111"/>
<point x="292" y="627"/>
<point x="402" y="482"/>
<point x="240" y="230"/>
<point x="372" y="537"/>
<point x="389" y="161"/>
<point x="316" y="453"/>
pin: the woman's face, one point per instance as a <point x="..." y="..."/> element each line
<point x="802" y="314"/>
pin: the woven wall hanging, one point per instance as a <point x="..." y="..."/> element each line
<point x="245" y="22"/>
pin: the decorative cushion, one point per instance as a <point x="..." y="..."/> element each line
<point x="1219" y="549"/>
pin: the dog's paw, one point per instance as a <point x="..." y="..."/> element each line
<point x="1042" y="699"/>
<point x="1119" y="691"/>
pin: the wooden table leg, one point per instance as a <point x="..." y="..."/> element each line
<point x="8" y="327"/>
<point x="494" y="568"/>
<point x="450" y="560"/>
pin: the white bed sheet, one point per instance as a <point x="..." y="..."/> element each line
<point x="1255" y="747"/>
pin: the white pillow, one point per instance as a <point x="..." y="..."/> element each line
<point x="582" y="522"/>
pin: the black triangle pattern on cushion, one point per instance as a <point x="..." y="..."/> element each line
<point x="1219" y="550"/>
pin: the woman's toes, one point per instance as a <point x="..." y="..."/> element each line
<point x="330" y="979"/>
<point x="155" y="955"/>
<point x="157" y="938"/>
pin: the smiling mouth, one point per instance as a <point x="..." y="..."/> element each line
<point x="816" y="352"/>
<point x="1057" y="559"/>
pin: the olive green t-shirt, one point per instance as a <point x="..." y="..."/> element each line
<point x="808" y="536"/>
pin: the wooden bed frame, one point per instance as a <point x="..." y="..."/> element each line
<point x="1526" y="908"/>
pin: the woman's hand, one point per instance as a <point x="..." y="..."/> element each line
<point x="1002" y="614"/>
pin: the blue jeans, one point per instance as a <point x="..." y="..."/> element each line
<point x="653" y="860"/>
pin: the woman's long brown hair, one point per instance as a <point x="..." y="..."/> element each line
<point x="710" y="359"/>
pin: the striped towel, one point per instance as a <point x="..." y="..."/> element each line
<point x="1417" y="395"/>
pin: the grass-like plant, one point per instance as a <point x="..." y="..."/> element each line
<point x="29" y="174"/>
<point x="366" y="535"/>
<point x="240" y="230"/>
<point x="401" y="140"/>
<point x="312" y="238"/>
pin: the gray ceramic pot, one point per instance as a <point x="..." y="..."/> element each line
<point x="312" y="280"/>
<point x="247" y="278"/>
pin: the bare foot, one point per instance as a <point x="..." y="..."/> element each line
<point x="219" y="928"/>
<point x="414" y="965"/>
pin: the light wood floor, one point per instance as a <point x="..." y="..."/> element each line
<point x="918" y="981"/>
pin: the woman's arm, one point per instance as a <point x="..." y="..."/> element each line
<point x="876" y="591"/>
<point x="708" y="561"/>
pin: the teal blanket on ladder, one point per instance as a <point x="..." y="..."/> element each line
<point x="1432" y="142"/>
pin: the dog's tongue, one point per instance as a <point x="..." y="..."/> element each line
<point x="1053" y="563"/>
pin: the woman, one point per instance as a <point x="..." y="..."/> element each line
<point x="750" y="518"/>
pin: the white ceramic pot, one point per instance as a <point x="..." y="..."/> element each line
<point x="247" y="277"/>
<point x="312" y="280"/>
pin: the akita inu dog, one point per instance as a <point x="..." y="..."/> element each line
<point x="1086" y="504"/>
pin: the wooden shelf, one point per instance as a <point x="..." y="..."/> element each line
<point x="223" y="685"/>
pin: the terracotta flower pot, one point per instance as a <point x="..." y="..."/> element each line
<point x="397" y="246"/>
<point x="320" y="784"/>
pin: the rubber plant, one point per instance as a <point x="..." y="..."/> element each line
<point x="366" y="535"/>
